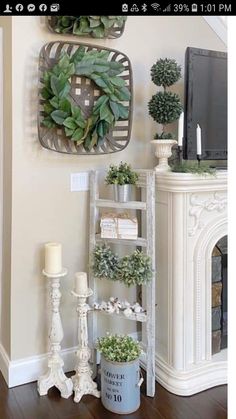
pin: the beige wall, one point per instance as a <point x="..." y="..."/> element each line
<point x="6" y="187"/>
<point x="43" y="208"/>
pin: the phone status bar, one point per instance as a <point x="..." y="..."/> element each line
<point x="122" y="8"/>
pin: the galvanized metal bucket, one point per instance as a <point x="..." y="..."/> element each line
<point x="120" y="386"/>
<point x="122" y="193"/>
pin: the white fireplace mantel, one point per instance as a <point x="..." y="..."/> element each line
<point x="191" y="217"/>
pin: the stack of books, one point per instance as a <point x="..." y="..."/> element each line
<point x="119" y="226"/>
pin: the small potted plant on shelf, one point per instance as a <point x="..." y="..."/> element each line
<point x="105" y="263"/>
<point x="135" y="269"/>
<point x="122" y="177"/>
<point x="164" y="107"/>
<point x="120" y="373"/>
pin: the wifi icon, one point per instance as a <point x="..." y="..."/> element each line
<point x="156" y="7"/>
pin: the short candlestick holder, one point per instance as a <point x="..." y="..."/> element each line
<point x="55" y="375"/>
<point x="82" y="380"/>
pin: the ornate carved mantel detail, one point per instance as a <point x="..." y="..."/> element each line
<point x="217" y="202"/>
<point x="191" y="218"/>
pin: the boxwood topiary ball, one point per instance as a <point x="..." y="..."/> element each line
<point x="165" y="72"/>
<point x="165" y="107"/>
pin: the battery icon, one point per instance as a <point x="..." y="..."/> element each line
<point x="194" y="7"/>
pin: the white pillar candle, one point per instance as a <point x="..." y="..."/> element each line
<point x="199" y="140"/>
<point x="81" y="283"/>
<point x="53" y="259"/>
<point x="181" y="130"/>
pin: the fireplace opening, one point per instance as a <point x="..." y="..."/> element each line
<point x="219" y="296"/>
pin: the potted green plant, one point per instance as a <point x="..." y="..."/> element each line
<point x="135" y="269"/>
<point x="122" y="177"/>
<point x="164" y="107"/>
<point x="120" y="373"/>
<point x="105" y="262"/>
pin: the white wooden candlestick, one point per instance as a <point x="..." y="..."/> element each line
<point x="82" y="380"/>
<point x="55" y="375"/>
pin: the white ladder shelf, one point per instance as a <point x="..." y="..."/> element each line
<point x="146" y="180"/>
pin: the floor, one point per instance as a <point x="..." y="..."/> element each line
<point x="23" y="402"/>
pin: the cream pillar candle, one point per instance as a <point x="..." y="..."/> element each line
<point x="81" y="283"/>
<point x="53" y="258"/>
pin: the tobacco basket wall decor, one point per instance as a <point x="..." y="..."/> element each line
<point x="91" y="26"/>
<point x="85" y="99"/>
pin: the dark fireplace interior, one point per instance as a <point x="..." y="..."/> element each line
<point x="219" y="296"/>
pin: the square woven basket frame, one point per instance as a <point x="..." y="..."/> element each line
<point x="112" y="33"/>
<point x="84" y="93"/>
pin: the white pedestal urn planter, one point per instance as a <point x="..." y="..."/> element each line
<point x="163" y="152"/>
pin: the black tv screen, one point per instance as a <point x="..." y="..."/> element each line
<point x="205" y="103"/>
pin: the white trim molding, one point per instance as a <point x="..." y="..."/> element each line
<point x="199" y="378"/>
<point x="218" y="25"/>
<point x="26" y="370"/>
<point x="29" y="369"/>
<point x="186" y="383"/>
<point x="4" y="363"/>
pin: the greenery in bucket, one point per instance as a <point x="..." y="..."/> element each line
<point x="119" y="348"/>
<point x="165" y="107"/>
<point x="135" y="269"/>
<point x="105" y="262"/>
<point x="121" y="175"/>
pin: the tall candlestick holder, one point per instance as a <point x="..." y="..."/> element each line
<point x="55" y="375"/>
<point x="82" y="380"/>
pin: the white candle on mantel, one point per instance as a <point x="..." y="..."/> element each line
<point x="181" y="130"/>
<point x="53" y="258"/>
<point x="81" y="283"/>
<point x="199" y="140"/>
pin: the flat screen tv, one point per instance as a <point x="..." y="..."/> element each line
<point x="205" y="103"/>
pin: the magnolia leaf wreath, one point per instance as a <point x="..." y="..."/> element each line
<point x="96" y="26"/>
<point x="60" y="112"/>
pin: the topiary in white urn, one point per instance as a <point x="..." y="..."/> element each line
<point x="164" y="107"/>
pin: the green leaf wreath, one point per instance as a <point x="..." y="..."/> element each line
<point x="60" y="112"/>
<point x="95" y="26"/>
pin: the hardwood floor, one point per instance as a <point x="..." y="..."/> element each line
<point x="23" y="402"/>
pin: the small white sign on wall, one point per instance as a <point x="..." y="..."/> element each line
<point x="79" y="182"/>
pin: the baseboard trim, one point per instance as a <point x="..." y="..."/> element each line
<point x="4" y="363"/>
<point x="190" y="382"/>
<point x="199" y="378"/>
<point x="29" y="369"/>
